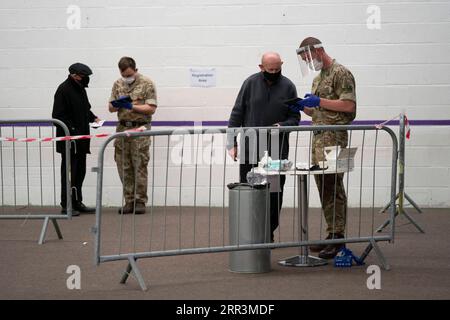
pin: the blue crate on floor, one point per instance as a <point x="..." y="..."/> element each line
<point x="345" y="258"/>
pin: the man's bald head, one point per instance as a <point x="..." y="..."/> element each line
<point x="270" y="57"/>
<point x="271" y="62"/>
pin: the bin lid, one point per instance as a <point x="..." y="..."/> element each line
<point x="234" y="185"/>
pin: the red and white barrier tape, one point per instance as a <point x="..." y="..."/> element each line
<point x="407" y="128"/>
<point x="65" y="138"/>
<point x="381" y="125"/>
<point x="141" y="129"/>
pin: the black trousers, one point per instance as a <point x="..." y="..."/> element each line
<point x="276" y="198"/>
<point x="77" y="174"/>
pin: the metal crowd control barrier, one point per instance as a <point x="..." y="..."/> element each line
<point x="28" y="175"/>
<point x="187" y="213"/>
<point x="402" y="195"/>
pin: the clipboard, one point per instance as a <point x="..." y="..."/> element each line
<point x="292" y="101"/>
<point x="117" y="103"/>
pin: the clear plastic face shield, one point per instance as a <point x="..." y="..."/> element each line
<point x="309" y="62"/>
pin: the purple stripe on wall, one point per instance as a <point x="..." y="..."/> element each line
<point x="445" y="122"/>
<point x="356" y="122"/>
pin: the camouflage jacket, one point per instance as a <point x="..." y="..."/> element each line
<point x="141" y="91"/>
<point x="334" y="83"/>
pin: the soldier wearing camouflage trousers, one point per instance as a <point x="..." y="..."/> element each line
<point x="332" y="102"/>
<point x="132" y="154"/>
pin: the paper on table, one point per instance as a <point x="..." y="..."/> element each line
<point x="303" y="165"/>
<point x="96" y="125"/>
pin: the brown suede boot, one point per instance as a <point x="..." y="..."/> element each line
<point x="331" y="250"/>
<point x="127" y="209"/>
<point x="320" y="247"/>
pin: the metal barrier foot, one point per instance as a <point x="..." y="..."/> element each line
<point x="413" y="221"/>
<point x="302" y="261"/>
<point x="126" y="274"/>
<point x="132" y="267"/>
<point x="388" y="205"/>
<point x="413" y="203"/>
<point x="44" y="230"/>
<point x="373" y="245"/>
<point x="380" y="255"/>
<point x="386" y="223"/>
<point x="58" y="231"/>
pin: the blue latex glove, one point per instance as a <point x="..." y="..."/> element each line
<point x="123" y="102"/>
<point x="296" y="107"/>
<point x="310" y="101"/>
<point x="127" y="105"/>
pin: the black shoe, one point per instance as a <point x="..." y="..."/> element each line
<point x="74" y="212"/>
<point x="79" y="206"/>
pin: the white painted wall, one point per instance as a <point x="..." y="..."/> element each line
<point x="405" y="65"/>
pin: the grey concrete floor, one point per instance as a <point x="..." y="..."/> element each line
<point x="420" y="263"/>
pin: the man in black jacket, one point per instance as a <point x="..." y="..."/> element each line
<point x="260" y="103"/>
<point x="71" y="105"/>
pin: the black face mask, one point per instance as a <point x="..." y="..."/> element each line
<point x="84" y="81"/>
<point x="272" y="77"/>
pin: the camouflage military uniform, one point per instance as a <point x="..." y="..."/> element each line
<point x="334" y="83"/>
<point x="132" y="154"/>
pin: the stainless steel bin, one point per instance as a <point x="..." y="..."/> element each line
<point x="249" y="223"/>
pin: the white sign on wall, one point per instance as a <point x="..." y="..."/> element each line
<point x="203" y="77"/>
